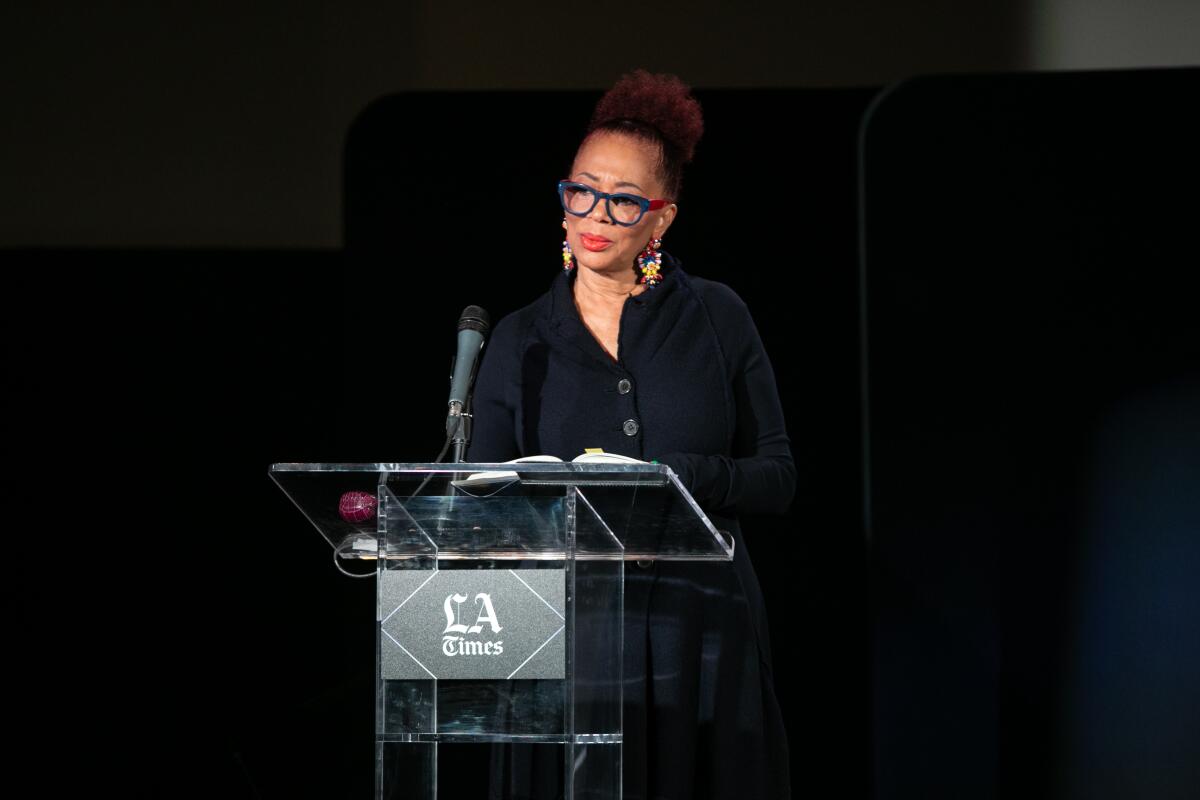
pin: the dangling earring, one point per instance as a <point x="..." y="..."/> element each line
<point x="568" y="256"/>
<point x="650" y="262"/>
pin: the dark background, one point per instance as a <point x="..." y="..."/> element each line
<point x="1033" y="369"/>
<point x="188" y="123"/>
<point x="183" y="308"/>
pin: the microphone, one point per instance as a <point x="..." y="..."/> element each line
<point x="473" y="327"/>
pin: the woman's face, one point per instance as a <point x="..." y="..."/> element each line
<point x="613" y="162"/>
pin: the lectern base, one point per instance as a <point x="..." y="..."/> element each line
<point x="497" y="770"/>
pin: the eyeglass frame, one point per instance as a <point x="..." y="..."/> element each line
<point x="644" y="203"/>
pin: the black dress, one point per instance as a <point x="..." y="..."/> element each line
<point x="693" y="389"/>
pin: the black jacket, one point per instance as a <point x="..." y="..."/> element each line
<point x="694" y="389"/>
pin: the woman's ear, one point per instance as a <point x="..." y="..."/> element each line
<point x="664" y="220"/>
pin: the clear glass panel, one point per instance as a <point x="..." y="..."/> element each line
<point x="500" y="527"/>
<point x="598" y="630"/>
<point x="582" y="521"/>
<point x="551" y="710"/>
<point x="406" y="771"/>
<point x="596" y="771"/>
<point x="644" y="506"/>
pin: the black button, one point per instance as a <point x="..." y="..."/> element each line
<point x="623" y="386"/>
<point x="630" y="427"/>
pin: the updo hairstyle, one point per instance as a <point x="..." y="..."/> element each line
<point x="659" y="110"/>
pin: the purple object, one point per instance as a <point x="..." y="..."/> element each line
<point x="356" y="507"/>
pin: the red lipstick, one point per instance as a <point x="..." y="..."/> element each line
<point x="594" y="243"/>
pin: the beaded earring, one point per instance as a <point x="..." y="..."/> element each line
<point x="650" y="263"/>
<point x="567" y="255"/>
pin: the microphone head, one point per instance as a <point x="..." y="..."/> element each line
<point x="475" y="318"/>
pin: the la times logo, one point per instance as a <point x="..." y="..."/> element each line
<point x="460" y="645"/>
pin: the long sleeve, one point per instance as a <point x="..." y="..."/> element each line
<point x="760" y="476"/>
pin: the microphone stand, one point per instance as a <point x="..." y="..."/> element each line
<point x="461" y="435"/>
<point x="460" y="438"/>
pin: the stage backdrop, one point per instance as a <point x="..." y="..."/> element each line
<point x="1031" y="359"/>
<point x="1033" y="354"/>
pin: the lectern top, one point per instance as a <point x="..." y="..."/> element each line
<point x="503" y="511"/>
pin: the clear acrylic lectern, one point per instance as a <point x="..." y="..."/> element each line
<point x="500" y="601"/>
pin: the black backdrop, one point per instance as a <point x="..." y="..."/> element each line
<point x="1027" y="254"/>
<point x="1034" y="384"/>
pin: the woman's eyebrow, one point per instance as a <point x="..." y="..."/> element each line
<point x="621" y="183"/>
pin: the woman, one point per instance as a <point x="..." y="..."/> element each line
<point x="629" y="353"/>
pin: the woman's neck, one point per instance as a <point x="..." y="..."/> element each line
<point x="598" y="288"/>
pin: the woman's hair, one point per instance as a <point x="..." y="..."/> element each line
<point x="658" y="109"/>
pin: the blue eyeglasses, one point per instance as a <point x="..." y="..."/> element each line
<point x="623" y="209"/>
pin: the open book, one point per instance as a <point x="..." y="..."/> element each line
<point x="590" y="457"/>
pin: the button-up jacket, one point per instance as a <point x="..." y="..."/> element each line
<point x="692" y="387"/>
